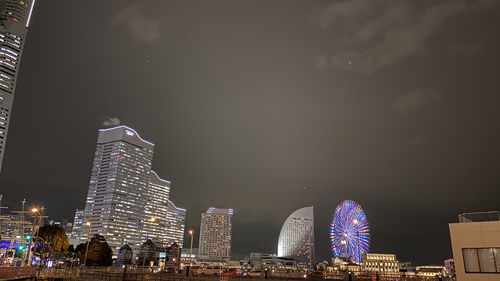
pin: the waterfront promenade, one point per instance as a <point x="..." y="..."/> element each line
<point x="118" y="274"/>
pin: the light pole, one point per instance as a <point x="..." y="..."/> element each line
<point x="88" y="243"/>
<point x="191" y="248"/>
<point x="33" y="233"/>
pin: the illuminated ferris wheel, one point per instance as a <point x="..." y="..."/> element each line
<point x="349" y="231"/>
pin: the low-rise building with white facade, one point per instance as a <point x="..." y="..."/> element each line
<point x="383" y="264"/>
<point x="475" y="241"/>
<point x="429" y="271"/>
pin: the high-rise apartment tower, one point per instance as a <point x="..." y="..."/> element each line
<point x="118" y="190"/>
<point x="127" y="202"/>
<point x="216" y="233"/>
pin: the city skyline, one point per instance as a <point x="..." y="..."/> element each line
<point x="309" y="105"/>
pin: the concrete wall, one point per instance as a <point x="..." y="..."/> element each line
<point x="473" y="235"/>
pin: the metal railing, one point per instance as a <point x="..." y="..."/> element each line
<point x="7" y="273"/>
<point x="117" y="274"/>
<point x="479" y="217"/>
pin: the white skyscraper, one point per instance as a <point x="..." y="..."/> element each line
<point x="14" y="21"/>
<point x="296" y="238"/>
<point x="164" y="223"/>
<point x="176" y="220"/>
<point x="156" y="210"/>
<point x="127" y="202"/>
<point x="118" y="190"/>
<point x="216" y="233"/>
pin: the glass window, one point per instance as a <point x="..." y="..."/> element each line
<point x="481" y="260"/>
<point x="486" y="260"/>
<point x="496" y="252"/>
<point x="471" y="261"/>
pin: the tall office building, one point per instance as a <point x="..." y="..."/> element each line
<point x="216" y="233"/>
<point x="118" y="190"/>
<point x="296" y="238"/>
<point x="164" y="222"/>
<point x="176" y="220"/>
<point x="14" y="21"/>
<point x="127" y="202"/>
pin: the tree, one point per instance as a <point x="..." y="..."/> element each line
<point x="148" y="253"/>
<point x="55" y="237"/>
<point x="100" y="254"/>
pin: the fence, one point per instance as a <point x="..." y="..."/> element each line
<point x="7" y="273"/>
<point x="479" y="217"/>
<point x="108" y="276"/>
<point x="140" y="274"/>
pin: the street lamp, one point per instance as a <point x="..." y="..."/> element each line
<point x="191" y="248"/>
<point x="88" y="243"/>
<point x="33" y="233"/>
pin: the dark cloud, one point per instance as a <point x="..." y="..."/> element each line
<point x="111" y="122"/>
<point x="141" y="28"/>
<point x="384" y="32"/>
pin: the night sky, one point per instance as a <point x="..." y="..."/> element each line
<point x="270" y="106"/>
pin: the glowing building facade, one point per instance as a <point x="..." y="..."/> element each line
<point x="118" y="190"/>
<point x="176" y="220"/>
<point x="296" y="238"/>
<point x="164" y="222"/>
<point x="156" y="210"/>
<point x="216" y="233"/>
<point x="127" y="202"/>
<point x="14" y="21"/>
<point x="385" y="265"/>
